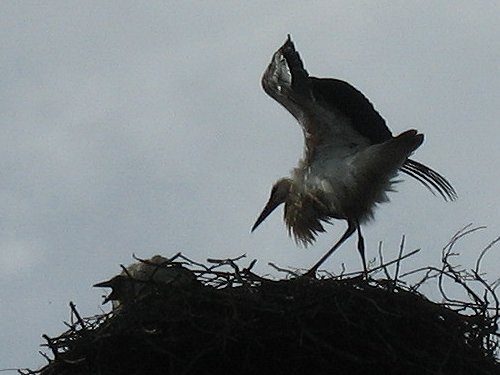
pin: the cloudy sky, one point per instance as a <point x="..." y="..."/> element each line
<point x="131" y="128"/>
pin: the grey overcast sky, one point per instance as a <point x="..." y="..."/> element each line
<point x="141" y="127"/>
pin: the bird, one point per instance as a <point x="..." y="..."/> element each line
<point x="143" y="278"/>
<point x="351" y="159"/>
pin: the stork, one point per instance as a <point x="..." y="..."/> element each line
<point x="143" y="278"/>
<point x="350" y="156"/>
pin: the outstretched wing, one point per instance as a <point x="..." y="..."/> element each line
<point x="339" y="96"/>
<point x="325" y="107"/>
<point x="337" y="119"/>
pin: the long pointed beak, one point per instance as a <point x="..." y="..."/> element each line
<point x="105" y="284"/>
<point x="111" y="283"/>
<point x="270" y="207"/>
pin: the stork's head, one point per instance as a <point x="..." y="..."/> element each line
<point x="121" y="289"/>
<point x="279" y="194"/>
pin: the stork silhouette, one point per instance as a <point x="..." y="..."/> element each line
<point x="350" y="156"/>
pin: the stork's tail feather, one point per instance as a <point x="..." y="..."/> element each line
<point x="430" y="179"/>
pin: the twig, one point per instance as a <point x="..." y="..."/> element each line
<point x="398" y="264"/>
<point x="280" y="269"/>
<point x="483" y="253"/>
<point x="78" y="317"/>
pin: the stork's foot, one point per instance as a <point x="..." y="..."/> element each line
<point x="311" y="273"/>
<point x="365" y="274"/>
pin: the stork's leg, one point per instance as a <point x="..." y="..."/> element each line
<point x="361" y="248"/>
<point x="351" y="227"/>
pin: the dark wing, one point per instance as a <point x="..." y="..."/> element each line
<point x="340" y="96"/>
<point x="287" y="81"/>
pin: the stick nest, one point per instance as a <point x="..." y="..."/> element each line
<point x="232" y="321"/>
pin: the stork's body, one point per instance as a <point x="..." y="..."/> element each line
<point x="350" y="156"/>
